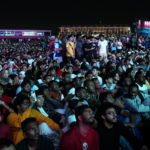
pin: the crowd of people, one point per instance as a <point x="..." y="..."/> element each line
<point x="75" y="93"/>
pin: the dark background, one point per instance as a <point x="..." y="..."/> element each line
<point x="50" y="14"/>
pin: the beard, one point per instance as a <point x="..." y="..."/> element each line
<point x="88" y="121"/>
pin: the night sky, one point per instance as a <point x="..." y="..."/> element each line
<point x="45" y="15"/>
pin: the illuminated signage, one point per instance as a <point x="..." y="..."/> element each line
<point x="28" y="33"/>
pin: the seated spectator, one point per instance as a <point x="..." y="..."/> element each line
<point x="137" y="103"/>
<point x="82" y="135"/>
<point x="22" y="112"/>
<point x="32" y="140"/>
<point x="140" y="81"/>
<point x="110" y="130"/>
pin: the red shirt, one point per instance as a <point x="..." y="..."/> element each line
<point x="73" y="140"/>
<point x="5" y="131"/>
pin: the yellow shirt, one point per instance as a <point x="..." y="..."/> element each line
<point x="70" y="46"/>
<point x="14" y="120"/>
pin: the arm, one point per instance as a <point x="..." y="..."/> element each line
<point x="137" y="107"/>
<point x="6" y="106"/>
<point x="132" y="118"/>
<point x="41" y="118"/>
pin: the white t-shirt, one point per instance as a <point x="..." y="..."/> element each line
<point x="103" y="46"/>
<point x="119" y="45"/>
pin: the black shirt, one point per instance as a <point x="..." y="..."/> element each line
<point x="43" y="144"/>
<point x="109" y="138"/>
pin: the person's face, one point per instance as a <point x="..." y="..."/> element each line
<point x="55" y="87"/>
<point x="133" y="92"/>
<point x="16" y="80"/>
<point x="89" y="77"/>
<point x="70" y="70"/>
<point x="127" y="81"/>
<point x="97" y="84"/>
<point x="67" y="78"/>
<point x="11" y="147"/>
<point x="56" y="40"/>
<point x="94" y="72"/>
<point x="91" y="87"/>
<point x="32" y="131"/>
<point x="88" y="116"/>
<point x="27" y="87"/>
<point x="20" y="76"/>
<point x="53" y="72"/>
<point x="82" y="94"/>
<point x="110" y="116"/>
<point x="109" y="98"/>
<point x="40" y="100"/>
<point x="102" y="38"/>
<point x="48" y="79"/>
<point x="109" y="80"/>
<point x="6" y="74"/>
<point x="141" y="79"/>
<point x="117" y="78"/>
<point x="25" y="105"/>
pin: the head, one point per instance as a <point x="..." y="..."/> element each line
<point x="40" y="99"/>
<point x="107" y="97"/>
<point x="94" y="71"/>
<point x="30" y="129"/>
<point x="84" y="114"/>
<point x="90" y="86"/>
<point x="6" y="144"/>
<point x="133" y="91"/>
<point x="140" y="78"/>
<point x="71" y="38"/>
<point x="127" y="81"/>
<point x="26" y="86"/>
<point x="70" y="69"/>
<point x="108" y="113"/>
<point x="81" y="93"/>
<point x="66" y="77"/>
<point x="102" y="37"/>
<point x="21" y="103"/>
<point x="54" y="86"/>
<point x="97" y="83"/>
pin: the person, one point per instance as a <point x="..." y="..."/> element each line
<point x="110" y="130"/>
<point x="57" y="51"/>
<point x="81" y="136"/>
<point x="32" y="140"/>
<point x="70" y="47"/>
<point x="22" y="112"/>
<point x="6" y="144"/>
<point x="137" y="103"/>
<point x="102" y="47"/>
<point x="88" y="49"/>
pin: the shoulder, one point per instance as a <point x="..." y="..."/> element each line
<point x="21" y="145"/>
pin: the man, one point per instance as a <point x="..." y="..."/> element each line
<point x="88" y="49"/>
<point x="81" y="136"/>
<point x="22" y="112"/>
<point x="32" y="139"/>
<point x="102" y="47"/>
<point x="6" y="144"/>
<point x="70" y="49"/>
<point x="110" y="130"/>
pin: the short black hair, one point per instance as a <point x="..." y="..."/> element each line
<point x="26" y="122"/>
<point x="79" y="110"/>
<point x="106" y="105"/>
<point x="19" y="100"/>
<point x="5" y="143"/>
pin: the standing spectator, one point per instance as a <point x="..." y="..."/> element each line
<point x="82" y="136"/>
<point x="79" y="47"/>
<point x="57" y="51"/>
<point x="70" y="49"/>
<point x="88" y="49"/>
<point x="102" y="47"/>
